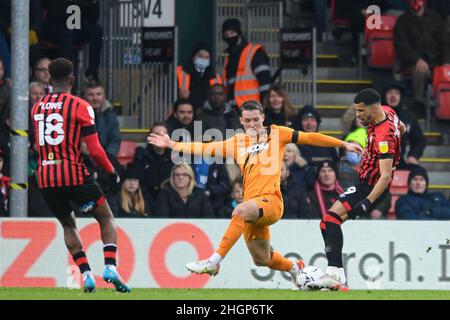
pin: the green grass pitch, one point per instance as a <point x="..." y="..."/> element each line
<point x="217" y="294"/>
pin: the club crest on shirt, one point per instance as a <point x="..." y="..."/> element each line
<point x="384" y="146"/>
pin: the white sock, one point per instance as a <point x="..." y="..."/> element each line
<point x="86" y="274"/>
<point x="333" y="272"/>
<point x="342" y="277"/>
<point x="215" y="259"/>
<point x="111" y="266"/>
<point x="295" y="269"/>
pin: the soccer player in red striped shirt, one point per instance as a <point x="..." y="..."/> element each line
<point x="60" y="120"/>
<point x="380" y="159"/>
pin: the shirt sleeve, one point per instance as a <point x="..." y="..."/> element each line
<point x="86" y="117"/>
<point x="386" y="147"/>
<point x="227" y="148"/>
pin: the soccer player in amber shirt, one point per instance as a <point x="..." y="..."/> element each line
<point x="381" y="158"/>
<point x="60" y="120"/>
<point x="259" y="153"/>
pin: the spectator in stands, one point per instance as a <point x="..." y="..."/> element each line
<point x="217" y="113"/>
<point x="56" y="32"/>
<point x="356" y="133"/>
<point x="293" y="195"/>
<point x="237" y="67"/>
<point x="5" y="91"/>
<point x="105" y="118"/>
<point x="419" y="204"/>
<point x="349" y="165"/>
<point x="299" y="169"/>
<point x="215" y="182"/>
<point x="196" y="77"/>
<point x="130" y="202"/>
<point x="395" y="95"/>
<point x="419" y="41"/>
<point x="277" y="108"/>
<point x="5" y="139"/>
<point x="35" y="26"/>
<point x="35" y="92"/>
<point x="4" y="190"/>
<point x="181" y="118"/>
<point x="180" y="198"/>
<point x="5" y="58"/>
<point x="154" y="164"/>
<point x="326" y="190"/>
<point x="308" y="120"/>
<point x="41" y="73"/>
<point x="237" y="196"/>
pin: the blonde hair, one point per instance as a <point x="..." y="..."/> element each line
<point x="188" y="170"/>
<point x="288" y="109"/>
<point x="130" y="200"/>
<point x="298" y="159"/>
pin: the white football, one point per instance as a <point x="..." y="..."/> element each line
<point x="307" y="275"/>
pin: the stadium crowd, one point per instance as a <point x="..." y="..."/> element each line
<point x="153" y="186"/>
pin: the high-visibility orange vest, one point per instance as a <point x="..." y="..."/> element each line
<point x="184" y="79"/>
<point x="246" y="85"/>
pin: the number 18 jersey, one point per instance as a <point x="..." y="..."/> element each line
<point x="59" y="121"/>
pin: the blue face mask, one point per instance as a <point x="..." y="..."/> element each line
<point x="353" y="158"/>
<point x="201" y="64"/>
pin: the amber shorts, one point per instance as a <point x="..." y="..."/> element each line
<point x="271" y="210"/>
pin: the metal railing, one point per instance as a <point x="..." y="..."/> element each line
<point x="145" y="91"/>
<point x="262" y="22"/>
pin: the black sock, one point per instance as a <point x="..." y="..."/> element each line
<point x="323" y="231"/>
<point x="109" y="252"/>
<point x="335" y="242"/>
<point x="81" y="261"/>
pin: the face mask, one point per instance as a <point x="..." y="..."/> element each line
<point x="353" y="158"/>
<point x="201" y="63"/>
<point x="233" y="41"/>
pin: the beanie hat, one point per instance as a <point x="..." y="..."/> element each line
<point x="232" y="25"/>
<point x="327" y="164"/>
<point x="309" y="111"/>
<point x="418" y="171"/>
<point x="131" y="173"/>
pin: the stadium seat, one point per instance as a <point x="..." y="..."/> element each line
<point x="399" y="184"/>
<point x="441" y="91"/>
<point x="126" y="152"/>
<point x="380" y="44"/>
<point x="391" y="214"/>
<point x="338" y="22"/>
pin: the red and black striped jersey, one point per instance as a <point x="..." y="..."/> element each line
<point x="383" y="141"/>
<point x="59" y="121"/>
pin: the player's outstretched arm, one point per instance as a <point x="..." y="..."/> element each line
<point x="321" y="140"/>
<point x="196" y="148"/>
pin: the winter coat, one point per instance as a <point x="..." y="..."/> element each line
<point x="420" y="38"/>
<point x="108" y="128"/>
<point x="170" y="204"/>
<point x="221" y="119"/>
<point x="294" y="195"/>
<point x="427" y="206"/>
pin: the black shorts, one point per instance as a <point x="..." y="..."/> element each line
<point x="86" y="197"/>
<point x="353" y="195"/>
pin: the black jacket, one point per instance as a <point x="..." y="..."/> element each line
<point x="154" y="168"/>
<point x="116" y="207"/>
<point x="293" y="197"/>
<point x="36" y="15"/>
<point x="420" y="38"/>
<point x="172" y="124"/>
<point x="218" y="185"/>
<point x="221" y="119"/>
<point x="260" y="59"/>
<point x="170" y="205"/>
<point x="199" y="87"/>
<point x="315" y="155"/>
<point x="271" y="118"/>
